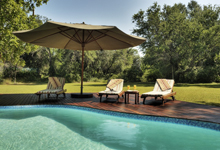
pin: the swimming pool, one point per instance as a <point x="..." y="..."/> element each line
<point x="71" y="127"/>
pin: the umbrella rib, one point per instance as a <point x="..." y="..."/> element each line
<point x="67" y="43"/>
<point x="97" y="42"/>
<point x="89" y="36"/>
<point x="116" y="38"/>
<point x="49" y="35"/>
<point x="73" y="38"/>
<point x="80" y="40"/>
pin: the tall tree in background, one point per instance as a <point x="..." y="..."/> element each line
<point x="180" y="40"/>
<point x="98" y="64"/>
<point x="30" y="5"/>
<point x="13" y="17"/>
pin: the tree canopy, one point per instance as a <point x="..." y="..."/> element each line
<point x="182" y="41"/>
<point x="14" y="17"/>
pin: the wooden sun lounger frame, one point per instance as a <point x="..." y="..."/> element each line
<point x="119" y="95"/>
<point x="57" y="94"/>
<point x="163" y="97"/>
<point x="48" y="94"/>
<point x="107" y="94"/>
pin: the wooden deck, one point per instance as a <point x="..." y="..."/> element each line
<point x="177" y="109"/>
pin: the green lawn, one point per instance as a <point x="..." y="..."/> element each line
<point x="208" y="93"/>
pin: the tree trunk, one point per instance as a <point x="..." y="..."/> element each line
<point x="15" y="74"/>
<point x="172" y="72"/>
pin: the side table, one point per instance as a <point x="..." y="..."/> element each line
<point x="135" y="92"/>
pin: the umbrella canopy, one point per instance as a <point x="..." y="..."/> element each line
<point x="79" y="37"/>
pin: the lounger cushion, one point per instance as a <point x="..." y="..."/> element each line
<point x="54" y="82"/>
<point x="51" y="91"/>
<point x="109" y="92"/>
<point x="153" y="93"/>
<point x="164" y="85"/>
<point x="116" y="90"/>
<point x="114" y="82"/>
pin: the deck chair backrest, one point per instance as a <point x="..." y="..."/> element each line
<point x="61" y="80"/>
<point x="118" y="87"/>
<point x="170" y="82"/>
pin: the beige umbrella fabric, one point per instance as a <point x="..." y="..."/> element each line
<point x="79" y="37"/>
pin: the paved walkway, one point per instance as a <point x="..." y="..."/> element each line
<point x="177" y="109"/>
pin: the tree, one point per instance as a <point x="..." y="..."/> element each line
<point x="14" y="18"/>
<point x="97" y="64"/>
<point x="29" y="5"/>
<point x="177" y="38"/>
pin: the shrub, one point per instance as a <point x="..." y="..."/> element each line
<point x="94" y="79"/>
<point x="150" y="75"/>
<point x="28" y="76"/>
<point x="71" y="77"/>
<point x="206" y="75"/>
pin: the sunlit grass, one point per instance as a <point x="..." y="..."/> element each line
<point x="208" y="94"/>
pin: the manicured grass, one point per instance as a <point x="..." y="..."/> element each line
<point x="208" y="94"/>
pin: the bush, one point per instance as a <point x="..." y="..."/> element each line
<point x="206" y="75"/>
<point x="188" y="77"/>
<point x="132" y="74"/>
<point x="28" y="76"/>
<point x="150" y="75"/>
<point x="1" y="78"/>
<point x="94" y="79"/>
<point x="115" y="76"/>
<point x="71" y="77"/>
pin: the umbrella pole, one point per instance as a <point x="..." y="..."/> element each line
<point x="82" y="95"/>
<point x="82" y="70"/>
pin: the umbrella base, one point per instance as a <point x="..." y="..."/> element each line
<point x="83" y="95"/>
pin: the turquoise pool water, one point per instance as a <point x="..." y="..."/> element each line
<point x="66" y="128"/>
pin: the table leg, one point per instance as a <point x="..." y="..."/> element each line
<point x="125" y="98"/>
<point x="138" y="97"/>
<point x="128" y="98"/>
<point x="135" y="96"/>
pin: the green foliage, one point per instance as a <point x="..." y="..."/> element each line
<point x="29" y="5"/>
<point x="181" y="40"/>
<point x="13" y="17"/>
<point x="28" y="76"/>
<point x="97" y="64"/>
<point x="133" y="73"/>
<point x="150" y="75"/>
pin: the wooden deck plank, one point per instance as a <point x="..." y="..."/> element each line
<point x="177" y="109"/>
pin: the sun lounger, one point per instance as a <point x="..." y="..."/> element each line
<point x="114" y="87"/>
<point x="163" y="89"/>
<point x="55" y="86"/>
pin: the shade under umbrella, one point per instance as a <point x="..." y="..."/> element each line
<point x="79" y="37"/>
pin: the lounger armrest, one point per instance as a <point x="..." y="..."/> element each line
<point x="121" y="93"/>
<point x="154" y="95"/>
<point x="63" y="91"/>
<point x="144" y="95"/>
<point x="38" y="92"/>
<point x="168" y="95"/>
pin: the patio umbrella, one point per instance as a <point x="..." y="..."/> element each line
<point x="79" y="37"/>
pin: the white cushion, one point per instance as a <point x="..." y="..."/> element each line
<point x="155" y="93"/>
<point x="109" y="92"/>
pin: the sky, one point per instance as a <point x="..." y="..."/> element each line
<point x="104" y="12"/>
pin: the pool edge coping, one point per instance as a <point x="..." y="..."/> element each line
<point x="166" y="119"/>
